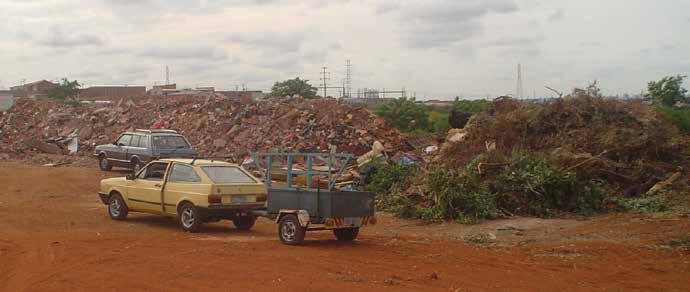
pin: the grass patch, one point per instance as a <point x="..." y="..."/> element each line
<point x="653" y="204"/>
<point x="678" y="116"/>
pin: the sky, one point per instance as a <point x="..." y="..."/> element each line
<point x="433" y="48"/>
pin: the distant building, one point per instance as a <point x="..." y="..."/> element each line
<point x="242" y="95"/>
<point x="35" y="90"/>
<point x="111" y="92"/>
<point x="6" y="99"/>
<point x="159" y="90"/>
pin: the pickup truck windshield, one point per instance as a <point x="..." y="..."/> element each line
<point x="169" y="142"/>
<point x="227" y="175"/>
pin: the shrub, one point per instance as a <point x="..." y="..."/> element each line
<point x="654" y="204"/>
<point x="678" y="116"/>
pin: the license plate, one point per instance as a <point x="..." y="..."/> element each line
<point x="352" y="221"/>
<point x="242" y="199"/>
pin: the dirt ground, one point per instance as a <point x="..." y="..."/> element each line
<point x="55" y="235"/>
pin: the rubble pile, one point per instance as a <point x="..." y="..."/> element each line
<point x="216" y="127"/>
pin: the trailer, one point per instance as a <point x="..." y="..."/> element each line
<point x="298" y="209"/>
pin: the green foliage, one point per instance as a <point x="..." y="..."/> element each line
<point x="438" y="122"/>
<point x="405" y="114"/>
<point x="460" y="196"/>
<point x="653" y="204"/>
<point x="678" y="116"/>
<point x="533" y="185"/>
<point x="668" y="90"/>
<point x="383" y="176"/>
<point x="65" y="90"/>
<point x="522" y="183"/>
<point x="292" y="87"/>
<point x="472" y="106"/>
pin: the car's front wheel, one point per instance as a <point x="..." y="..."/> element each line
<point x="117" y="209"/>
<point x="189" y="217"/>
<point x="244" y="222"/>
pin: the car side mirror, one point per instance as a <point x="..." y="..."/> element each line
<point x="130" y="177"/>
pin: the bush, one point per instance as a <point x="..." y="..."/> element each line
<point x="459" y="196"/>
<point x="678" y="116"/>
<point x="654" y="204"/>
<point x="531" y="184"/>
<point x="380" y="177"/>
<point x="405" y="114"/>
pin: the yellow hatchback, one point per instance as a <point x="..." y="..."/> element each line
<point x="194" y="191"/>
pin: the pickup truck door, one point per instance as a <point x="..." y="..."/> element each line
<point x="120" y="151"/>
<point x="144" y="192"/>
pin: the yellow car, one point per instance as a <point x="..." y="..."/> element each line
<point x="194" y="191"/>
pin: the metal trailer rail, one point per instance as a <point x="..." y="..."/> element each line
<point x="311" y="208"/>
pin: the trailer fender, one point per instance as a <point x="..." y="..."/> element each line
<point x="302" y="216"/>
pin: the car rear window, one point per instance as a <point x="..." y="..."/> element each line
<point x="227" y="175"/>
<point x="169" y="142"/>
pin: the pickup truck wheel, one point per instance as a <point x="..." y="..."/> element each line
<point x="189" y="218"/>
<point x="136" y="166"/>
<point x="290" y="231"/>
<point x="346" y="234"/>
<point x="244" y="222"/>
<point x="117" y="209"/>
<point x="104" y="164"/>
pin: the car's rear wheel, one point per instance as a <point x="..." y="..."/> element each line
<point x="244" y="222"/>
<point x="346" y="234"/>
<point x="103" y="163"/>
<point x="117" y="209"/>
<point x="189" y="218"/>
<point x="136" y="166"/>
<point x="290" y="231"/>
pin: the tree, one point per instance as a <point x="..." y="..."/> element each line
<point x="667" y="91"/>
<point x="405" y="114"/>
<point x="294" y="86"/>
<point x="66" y="89"/>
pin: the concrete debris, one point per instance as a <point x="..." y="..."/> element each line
<point x="216" y="127"/>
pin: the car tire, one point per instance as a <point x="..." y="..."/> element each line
<point x="346" y="234"/>
<point x="117" y="208"/>
<point x="189" y="218"/>
<point x="290" y="231"/>
<point x="103" y="163"/>
<point x="136" y="166"/>
<point x="244" y="222"/>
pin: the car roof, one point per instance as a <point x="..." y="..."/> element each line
<point x="199" y="161"/>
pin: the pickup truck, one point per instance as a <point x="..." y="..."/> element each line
<point x="134" y="149"/>
<point x="194" y="191"/>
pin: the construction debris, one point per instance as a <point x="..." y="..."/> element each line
<point x="216" y="127"/>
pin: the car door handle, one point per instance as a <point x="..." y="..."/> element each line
<point x="158" y="185"/>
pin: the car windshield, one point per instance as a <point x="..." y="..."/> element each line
<point x="169" y="142"/>
<point x="227" y="175"/>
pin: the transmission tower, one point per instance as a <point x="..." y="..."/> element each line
<point x="324" y="80"/>
<point x="518" y="92"/>
<point x="348" y="80"/>
<point x="167" y="75"/>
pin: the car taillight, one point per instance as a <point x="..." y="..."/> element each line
<point x="214" y="199"/>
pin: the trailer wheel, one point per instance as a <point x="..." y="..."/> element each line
<point x="244" y="222"/>
<point x="290" y="231"/>
<point x="346" y="234"/>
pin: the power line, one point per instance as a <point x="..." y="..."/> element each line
<point x="518" y="93"/>
<point x="325" y="79"/>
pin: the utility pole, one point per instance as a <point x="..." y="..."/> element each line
<point x="167" y="75"/>
<point x="325" y="81"/>
<point x="518" y="93"/>
<point x="348" y="79"/>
